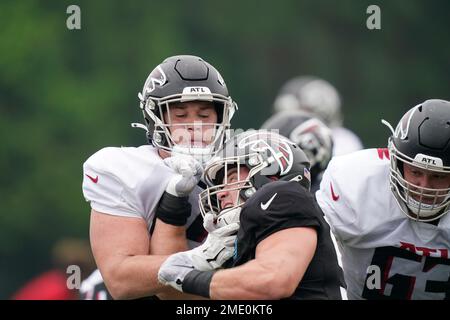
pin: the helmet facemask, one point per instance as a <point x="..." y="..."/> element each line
<point x="179" y="79"/>
<point x="177" y="137"/>
<point x="217" y="176"/>
<point x="418" y="203"/>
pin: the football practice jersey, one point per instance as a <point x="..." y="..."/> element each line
<point x="93" y="288"/>
<point x="129" y="182"/>
<point x="281" y="205"/>
<point x="385" y="254"/>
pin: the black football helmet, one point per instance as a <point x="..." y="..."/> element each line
<point x="180" y="79"/>
<point x="421" y="139"/>
<point x="309" y="133"/>
<point x="268" y="157"/>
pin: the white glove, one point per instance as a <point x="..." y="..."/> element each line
<point x="219" y="245"/>
<point x="173" y="271"/>
<point x="226" y="216"/>
<point x="188" y="172"/>
<point x="212" y="254"/>
<point x="217" y="248"/>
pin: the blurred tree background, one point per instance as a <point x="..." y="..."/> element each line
<point x="64" y="94"/>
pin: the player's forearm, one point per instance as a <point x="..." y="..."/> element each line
<point x="167" y="239"/>
<point x="134" y="277"/>
<point x="250" y="281"/>
<point x="137" y="277"/>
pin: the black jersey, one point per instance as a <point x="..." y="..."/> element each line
<point x="281" y="205"/>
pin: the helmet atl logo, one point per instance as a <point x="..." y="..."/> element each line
<point x="157" y="77"/>
<point x="278" y="149"/>
<point x="403" y="126"/>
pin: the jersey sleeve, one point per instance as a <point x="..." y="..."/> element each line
<point x="103" y="189"/>
<point x="332" y="199"/>
<point x="125" y="182"/>
<point x="350" y="192"/>
<point x="288" y="209"/>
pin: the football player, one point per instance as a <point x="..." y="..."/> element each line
<point x="310" y="134"/>
<point x="283" y="247"/>
<point x="143" y="199"/>
<point x="388" y="209"/>
<point x="319" y="98"/>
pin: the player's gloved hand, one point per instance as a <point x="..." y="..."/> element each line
<point x="173" y="271"/>
<point x="217" y="248"/>
<point x="191" y="271"/>
<point x="188" y="172"/>
<point x="174" y="207"/>
<point x="179" y="273"/>
<point x="219" y="245"/>
<point x="212" y="222"/>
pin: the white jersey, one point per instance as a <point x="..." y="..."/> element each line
<point x="385" y="254"/>
<point x="93" y="288"/>
<point x="129" y="182"/>
<point x="344" y="141"/>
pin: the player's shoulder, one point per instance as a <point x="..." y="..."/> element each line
<point x="354" y="184"/>
<point x="111" y="156"/>
<point x="358" y="172"/>
<point x="128" y="162"/>
<point x="282" y="188"/>
<point x="125" y="181"/>
<point x="367" y="160"/>
<point x="281" y="198"/>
